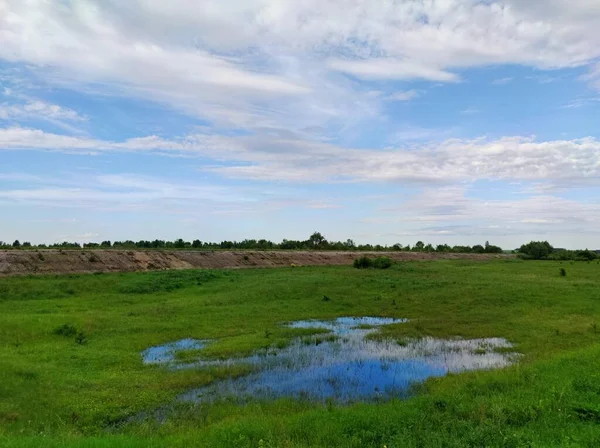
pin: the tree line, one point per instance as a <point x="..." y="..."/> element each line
<point x="543" y="250"/>
<point x="534" y="250"/>
<point x="315" y="242"/>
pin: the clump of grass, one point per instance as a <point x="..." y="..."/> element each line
<point x="66" y="330"/>
<point x="563" y="272"/>
<point x="41" y="256"/>
<point x="326" y="299"/>
<point x="246" y="258"/>
<point x="81" y="338"/>
<point x="93" y="258"/>
<point x="268" y="333"/>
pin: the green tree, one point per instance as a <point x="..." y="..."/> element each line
<point x="536" y="250"/>
<point x="317" y="240"/>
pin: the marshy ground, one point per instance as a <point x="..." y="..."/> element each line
<point x="73" y="372"/>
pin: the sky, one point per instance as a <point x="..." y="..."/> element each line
<point x="383" y="121"/>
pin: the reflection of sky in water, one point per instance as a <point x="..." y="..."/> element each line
<point x="347" y="367"/>
<point x="166" y="353"/>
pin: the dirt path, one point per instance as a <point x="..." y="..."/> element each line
<point x="22" y="262"/>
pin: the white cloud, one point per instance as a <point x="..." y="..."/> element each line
<point x="38" y="110"/>
<point x="456" y="212"/>
<point x="581" y="102"/>
<point x="503" y="81"/>
<point x="391" y="69"/>
<point x="278" y="63"/>
<point x="594" y="75"/>
<point x="405" y="95"/>
<point x="291" y="158"/>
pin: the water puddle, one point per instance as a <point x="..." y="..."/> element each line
<point x="162" y="354"/>
<point x="343" y="365"/>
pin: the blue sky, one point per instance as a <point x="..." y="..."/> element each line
<point x="385" y="122"/>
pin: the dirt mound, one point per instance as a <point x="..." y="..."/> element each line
<point x="15" y="262"/>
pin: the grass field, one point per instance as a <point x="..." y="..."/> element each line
<point x="70" y="389"/>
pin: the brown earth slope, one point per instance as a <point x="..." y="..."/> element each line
<point x="22" y="262"/>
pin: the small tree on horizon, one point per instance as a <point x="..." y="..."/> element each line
<point x="317" y="240"/>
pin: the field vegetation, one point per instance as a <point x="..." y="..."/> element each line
<point x="72" y="373"/>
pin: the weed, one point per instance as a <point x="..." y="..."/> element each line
<point x="81" y="338"/>
<point x="246" y="258"/>
<point x="66" y="330"/>
<point x="563" y="272"/>
<point x="326" y="299"/>
<point x="41" y="256"/>
<point x="594" y="327"/>
<point x="93" y="258"/>
<point x="268" y="333"/>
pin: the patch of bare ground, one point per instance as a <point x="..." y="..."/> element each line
<point x="24" y="262"/>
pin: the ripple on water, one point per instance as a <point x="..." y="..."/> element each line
<point x="344" y="366"/>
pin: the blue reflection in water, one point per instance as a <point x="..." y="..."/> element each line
<point x="348" y="366"/>
<point x="162" y="354"/>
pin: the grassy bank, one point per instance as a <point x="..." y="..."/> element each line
<point x="67" y="389"/>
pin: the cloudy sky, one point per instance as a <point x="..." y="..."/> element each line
<point x="384" y="121"/>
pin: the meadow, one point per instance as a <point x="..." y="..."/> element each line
<point x="72" y="373"/>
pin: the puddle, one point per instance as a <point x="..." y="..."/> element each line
<point x="343" y="365"/>
<point x="162" y="354"/>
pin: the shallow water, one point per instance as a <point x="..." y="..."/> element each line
<point x="343" y="365"/>
<point x="162" y="354"/>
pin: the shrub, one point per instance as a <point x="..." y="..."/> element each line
<point x="363" y="262"/>
<point x="536" y="250"/>
<point x="382" y="263"/>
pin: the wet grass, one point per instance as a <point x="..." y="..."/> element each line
<point x="57" y="392"/>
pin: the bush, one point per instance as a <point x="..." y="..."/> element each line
<point x="536" y="250"/>
<point x="382" y="263"/>
<point x="363" y="262"/>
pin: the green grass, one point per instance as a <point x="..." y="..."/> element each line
<point x="57" y="392"/>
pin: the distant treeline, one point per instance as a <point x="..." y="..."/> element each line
<point x="543" y="250"/>
<point x="535" y="250"/>
<point x="315" y="242"/>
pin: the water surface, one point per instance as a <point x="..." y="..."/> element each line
<point x="344" y="365"/>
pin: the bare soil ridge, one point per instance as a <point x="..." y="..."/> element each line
<point x="23" y="262"/>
